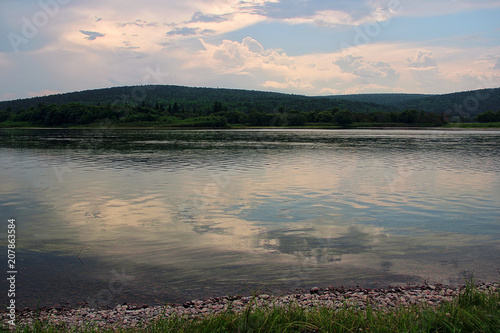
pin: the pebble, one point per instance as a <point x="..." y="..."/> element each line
<point x="123" y="316"/>
<point x="314" y="290"/>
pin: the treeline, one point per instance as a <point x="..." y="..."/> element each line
<point x="463" y="106"/>
<point x="343" y="118"/>
<point x="386" y="99"/>
<point x="218" y="115"/>
<point x="489" y="117"/>
<point x="74" y="114"/>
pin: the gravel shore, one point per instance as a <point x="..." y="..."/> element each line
<point x="138" y="316"/>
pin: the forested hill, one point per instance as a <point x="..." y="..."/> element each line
<point x="382" y="99"/>
<point x="198" y="98"/>
<point x="467" y="104"/>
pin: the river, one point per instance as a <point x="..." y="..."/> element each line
<point x="162" y="216"/>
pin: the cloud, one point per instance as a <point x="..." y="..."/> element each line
<point x="252" y="45"/>
<point x="368" y="71"/>
<point x="249" y="44"/>
<point x="294" y="83"/>
<point x="232" y="54"/>
<point x="243" y="58"/>
<point x="127" y="45"/>
<point x="185" y="31"/>
<point x="44" y="92"/>
<point x="434" y="8"/>
<point x="207" y="18"/>
<point x="139" y="23"/>
<point x="92" y="35"/>
<point x="226" y="17"/>
<point x="335" y="18"/>
<point x="497" y="65"/>
<point x="322" y="12"/>
<point x="284" y="9"/>
<point x="422" y="60"/>
<point x="273" y="69"/>
<point x="326" y="13"/>
<point x="330" y="91"/>
<point x="424" y="70"/>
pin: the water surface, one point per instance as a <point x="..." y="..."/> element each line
<point x="155" y="216"/>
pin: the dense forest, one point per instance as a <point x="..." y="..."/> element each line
<point x="461" y="106"/>
<point x="218" y="115"/>
<point x="178" y="106"/>
<point x="392" y="99"/>
<point x="196" y="99"/>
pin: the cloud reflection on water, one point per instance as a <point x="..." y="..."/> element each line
<point x="290" y="209"/>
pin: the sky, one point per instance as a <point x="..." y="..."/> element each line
<point x="307" y="47"/>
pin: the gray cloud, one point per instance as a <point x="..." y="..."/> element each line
<point x="289" y="9"/>
<point x="185" y="31"/>
<point x="425" y="70"/>
<point x="279" y="10"/>
<point x="497" y="65"/>
<point x="139" y="23"/>
<point x="253" y="45"/>
<point x="368" y="71"/>
<point x="129" y="46"/>
<point x="92" y="35"/>
<point x="200" y="17"/>
<point x="166" y="44"/>
<point x="422" y="59"/>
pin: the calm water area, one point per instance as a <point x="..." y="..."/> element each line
<point x="154" y="216"/>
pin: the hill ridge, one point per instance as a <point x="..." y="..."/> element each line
<point x="466" y="104"/>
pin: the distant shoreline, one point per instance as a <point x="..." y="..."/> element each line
<point x="460" y="126"/>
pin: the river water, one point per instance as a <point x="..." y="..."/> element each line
<point x="163" y="216"/>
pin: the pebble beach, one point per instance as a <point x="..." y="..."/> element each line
<point x="137" y="316"/>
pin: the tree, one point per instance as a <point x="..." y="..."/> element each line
<point x="296" y="118"/>
<point x="256" y="118"/>
<point x="233" y="117"/>
<point x="409" y="116"/>
<point x="218" y="107"/>
<point x="175" y="109"/>
<point x="343" y="117"/>
<point x="325" y="117"/>
<point x="4" y="115"/>
<point x="381" y="117"/>
<point x="488" y="117"/>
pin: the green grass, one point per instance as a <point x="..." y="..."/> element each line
<point x="472" y="311"/>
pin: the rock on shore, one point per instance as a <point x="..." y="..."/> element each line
<point x="334" y="298"/>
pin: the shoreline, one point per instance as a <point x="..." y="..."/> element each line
<point x="335" y="298"/>
<point x="238" y="128"/>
